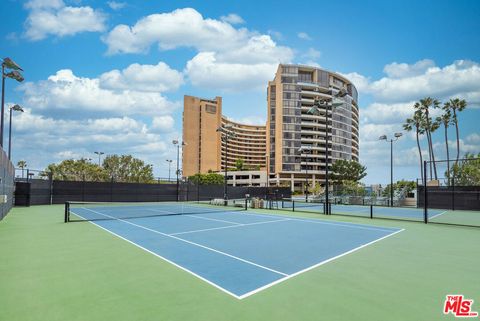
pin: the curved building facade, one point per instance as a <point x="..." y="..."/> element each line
<point x="291" y="127"/>
<point x="246" y="142"/>
<point x="206" y="149"/>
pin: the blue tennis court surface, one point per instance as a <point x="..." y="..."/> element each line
<point x="239" y="252"/>
<point x="364" y="210"/>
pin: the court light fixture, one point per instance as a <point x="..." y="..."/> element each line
<point x="9" y="64"/>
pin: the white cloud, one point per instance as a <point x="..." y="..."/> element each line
<point x="44" y="4"/>
<point x="204" y="70"/>
<point x="251" y="120"/>
<point x="58" y="139"/>
<point x="114" y="5"/>
<point x="54" y="18"/>
<point x="153" y="78"/>
<point x="233" y="19"/>
<point x="304" y="36"/>
<point x="163" y="123"/>
<point x="228" y="58"/>
<point x="361" y="82"/>
<point x="312" y="53"/>
<point x="179" y="28"/>
<point x="412" y="82"/>
<point x="67" y="92"/>
<point x="403" y="70"/>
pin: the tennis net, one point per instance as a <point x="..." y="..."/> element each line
<point x="293" y="204"/>
<point x="94" y="211"/>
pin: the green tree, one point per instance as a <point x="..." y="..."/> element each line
<point x="416" y="123"/>
<point x="348" y="170"/>
<point x="456" y="105"/>
<point x="126" y="168"/>
<point x="76" y="170"/>
<point x="207" y="179"/>
<point x="239" y="164"/>
<point x="406" y="186"/>
<point x="22" y="164"/>
<point x="467" y="171"/>
<point x="346" y="175"/>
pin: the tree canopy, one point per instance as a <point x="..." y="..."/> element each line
<point x="207" y="179"/>
<point x="466" y="172"/>
<point x="348" y="170"/>
<point x="123" y="168"/>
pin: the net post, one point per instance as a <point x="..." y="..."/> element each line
<point x="293" y="206"/>
<point x="246" y="204"/>
<point x="67" y="211"/>
<point x="371" y="211"/>
<point x="329" y="208"/>
<point x="324" y="208"/>
<point x="425" y="194"/>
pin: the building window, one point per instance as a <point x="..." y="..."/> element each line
<point x="212" y="109"/>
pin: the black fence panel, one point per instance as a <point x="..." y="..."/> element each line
<point x="38" y="191"/>
<point x="7" y="173"/>
<point x="450" y="197"/>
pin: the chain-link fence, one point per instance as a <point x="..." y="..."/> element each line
<point x="7" y="173"/>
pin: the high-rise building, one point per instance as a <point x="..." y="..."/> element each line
<point x="296" y="138"/>
<point x="206" y="148"/>
<point x="293" y="140"/>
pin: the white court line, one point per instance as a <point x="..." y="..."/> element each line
<point x="263" y="287"/>
<point x="315" y="266"/>
<point x="194" y="216"/>
<point x="232" y="226"/>
<point x="163" y="258"/>
<point x="190" y="242"/>
<point x="318" y="221"/>
<point x="437" y="215"/>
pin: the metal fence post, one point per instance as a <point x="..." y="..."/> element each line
<point x="371" y="211"/>
<point x="425" y="193"/>
<point x="50" y="178"/>
<point x="453" y="193"/>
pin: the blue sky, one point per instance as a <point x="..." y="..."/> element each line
<point x="111" y="76"/>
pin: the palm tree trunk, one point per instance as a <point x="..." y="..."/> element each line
<point x="458" y="139"/>
<point x="433" y="158"/>
<point x="429" y="142"/>
<point x="421" y="158"/>
<point x="448" y="155"/>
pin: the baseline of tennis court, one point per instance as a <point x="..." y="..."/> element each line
<point x="364" y="210"/>
<point x="240" y="253"/>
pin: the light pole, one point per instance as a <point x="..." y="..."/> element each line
<point x="315" y="110"/>
<point x="224" y="130"/>
<point x="305" y="151"/>
<point x="169" y="164"/>
<point x="268" y="170"/>
<point x="99" y="157"/>
<point x="8" y="63"/>
<point x="14" y="108"/>
<point x="176" y="143"/>
<point x="384" y="137"/>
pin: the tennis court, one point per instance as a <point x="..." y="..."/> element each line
<point x="405" y="213"/>
<point x="239" y="252"/>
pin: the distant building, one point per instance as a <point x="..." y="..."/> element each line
<point x="205" y="150"/>
<point x="290" y="95"/>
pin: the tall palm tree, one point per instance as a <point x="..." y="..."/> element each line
<point x="22" y="164"/>
<point x="456" y="105"/>
<point x="446" y="119"/>
<point x="430" y="127"/>
<point x="410" y="124"/>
